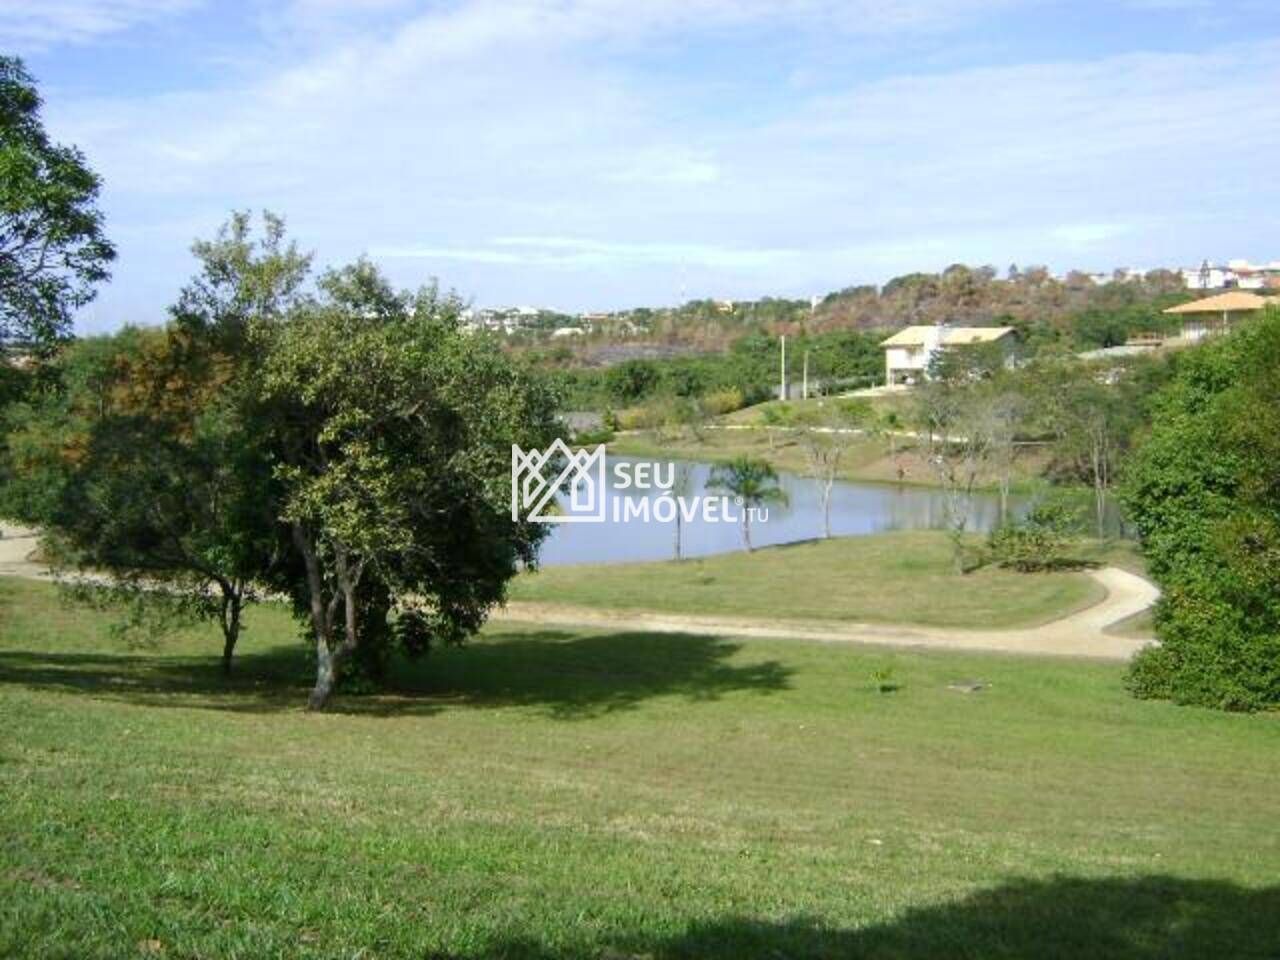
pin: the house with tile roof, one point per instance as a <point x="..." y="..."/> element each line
<point x="1202" y="318"/>
<point x="909" y="353"/>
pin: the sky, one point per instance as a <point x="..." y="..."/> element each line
<point x="600" y="154"/>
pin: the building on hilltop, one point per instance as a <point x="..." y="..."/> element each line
<point x="1235" y="274"/>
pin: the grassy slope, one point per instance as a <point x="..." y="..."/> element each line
<point x="865" y="458"/>
<point x="550" y="794"/>
<point x="903" y="404"/>
<point x="887" y="578"/>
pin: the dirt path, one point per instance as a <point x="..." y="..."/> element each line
<point x="1077" y="635"/>
<point x="16" y="545"/>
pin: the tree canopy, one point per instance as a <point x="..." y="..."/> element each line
<point x="53" y="251"/>
<point x="347" y="448"/>
<point x="391" y="431"/>
<point x="1204" y="493"/>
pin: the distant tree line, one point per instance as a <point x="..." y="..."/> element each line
<point x="1071" y="313"/>
<point x="751" y="366"/>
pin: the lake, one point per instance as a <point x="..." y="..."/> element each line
<point x="856" y="508"/>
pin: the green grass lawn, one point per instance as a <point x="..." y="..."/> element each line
<point x="866" y="458"/>
<point x="904" y="404"/>
<point x="1140" y="625"/>
<point x="557" y="794"/>
<point x="863" y="458"/>
<point x="887" y="578"/>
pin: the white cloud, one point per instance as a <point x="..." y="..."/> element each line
<point x="575" y="253"/>
<point x="670" y="166"/>
<point x="1078" y="237"/>
<point x="542" y="125"/>
<point x="36" y="24"/>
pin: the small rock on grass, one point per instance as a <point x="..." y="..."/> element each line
<point x="968" y="686"/>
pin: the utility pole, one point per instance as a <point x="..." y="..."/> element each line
<point x="782" y="394"/>
<point x="804" y="391"/>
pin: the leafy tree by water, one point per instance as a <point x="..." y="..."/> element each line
<point x="392" y="431"/>
<point x="1093" y="412"/>
<point x="752" y="483"/>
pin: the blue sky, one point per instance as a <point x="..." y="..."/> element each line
<point x="594" y="154"/>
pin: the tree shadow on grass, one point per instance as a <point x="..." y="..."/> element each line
<point x="571" y="675"/>
<point x="274" y="680"/>
<point x="577" y="675"/>
<point x="1063" y="918"/>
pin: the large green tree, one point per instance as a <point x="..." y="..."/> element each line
<point x="143" y="462"/>
<point x="392" y="431"/>
<point x="142" y="474"/>
<point x="1204" y="492"/>
<point x="53" y="251"/>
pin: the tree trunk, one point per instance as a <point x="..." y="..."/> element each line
<point x="232" y="605"/>
<point x="957" y="549"/>
<point x="746" y="528"/>
<point x="1099" y="456"/>
<point x="326" y="675"/>
<point x="1100" y="506"/>
<point x="321" y="621"/>
<point x="826" y="507"/>
<point x="328" y="658"/>
<point x="230" y="635"/>
<point x="677" y="544"/>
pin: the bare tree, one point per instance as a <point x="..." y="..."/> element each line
<point x="957" y="422"/>
<point x="774" y="418"/>
<point x="826" y="432"/>
<point x="682" y="484"/>
<point x="1002" y="414"/>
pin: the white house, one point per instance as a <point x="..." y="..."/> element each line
<point x="910" y="351"/>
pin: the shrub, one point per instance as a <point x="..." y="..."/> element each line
<point x="1042" y="540"/>
<point x="883" y="679"/>
<point x="632" y="380"/>
<point x="723" y="401"/>
<point x="637" y="418"/>
<point x="777" y="414"/>
<point x="1152" y="673"/>
<point x="593" y="438"/>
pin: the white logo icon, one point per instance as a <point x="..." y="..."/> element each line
<point x="582" y="476"/>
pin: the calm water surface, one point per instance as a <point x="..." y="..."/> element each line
<point x="856" y="508"/>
